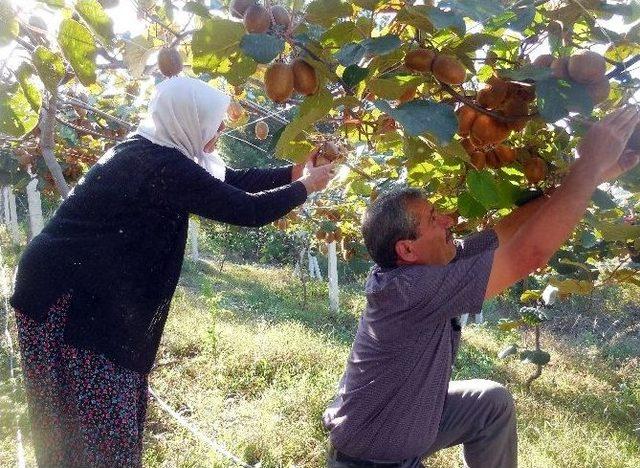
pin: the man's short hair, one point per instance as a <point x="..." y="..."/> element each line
<point x="387" y="220"/>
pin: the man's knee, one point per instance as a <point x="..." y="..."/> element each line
<point x="496" y="396"/>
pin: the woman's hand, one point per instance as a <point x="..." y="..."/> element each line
<point x="298" y="169"/>
<point x="317" y="178"/>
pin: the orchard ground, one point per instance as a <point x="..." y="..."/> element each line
<point x="245" y="362"/>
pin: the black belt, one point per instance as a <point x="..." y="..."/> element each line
<point x="339" y="456"/>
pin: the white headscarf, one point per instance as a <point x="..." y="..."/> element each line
<point x="185" y="113"/>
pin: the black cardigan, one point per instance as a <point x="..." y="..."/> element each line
<point x="117" y="243"/>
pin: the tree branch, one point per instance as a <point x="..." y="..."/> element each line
<point x="620" y="68"/>
<point x="47" y="119"/>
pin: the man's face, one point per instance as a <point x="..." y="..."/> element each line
<point x="434" y="244"/>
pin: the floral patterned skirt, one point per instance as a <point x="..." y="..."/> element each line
<point x="85" y="410"/>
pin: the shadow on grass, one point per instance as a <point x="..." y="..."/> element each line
<point x="617" y="414"/>
<point x="252" y="299"/>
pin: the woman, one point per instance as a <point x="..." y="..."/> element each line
<point x="93" y="290"/>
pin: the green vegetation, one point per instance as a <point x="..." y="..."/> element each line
<point x="249" y="366"/>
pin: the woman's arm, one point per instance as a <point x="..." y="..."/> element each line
<point x="256" y="180"/>
<point x="182" y="184"/>
<point x="185" y="186"/>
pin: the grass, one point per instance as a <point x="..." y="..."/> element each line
<point x="244" y="361"/>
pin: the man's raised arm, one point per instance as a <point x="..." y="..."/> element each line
<point x="548" y="223"/>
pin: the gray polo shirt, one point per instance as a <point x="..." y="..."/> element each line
<point x="391" y="396"/>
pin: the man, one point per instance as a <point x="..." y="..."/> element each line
<point x="395" y="403"/>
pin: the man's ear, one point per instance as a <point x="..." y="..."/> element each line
<point x="404" y="251"/>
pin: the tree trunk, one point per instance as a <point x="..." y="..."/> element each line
<point x="36" y="221"/>
<point x="12" y="219"/>
<point x="5" y="205"/>
<point x="314" y="268"/>
<point x="334" y="291"/>
<point x="47" y="121"/>
<point x="193" y="239"/>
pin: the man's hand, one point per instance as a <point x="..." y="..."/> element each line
<point x="602" y="146"/>
<point x="625" y="163"/>
<point x="544" y="230"/>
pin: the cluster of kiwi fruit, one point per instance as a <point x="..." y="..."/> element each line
<point x="483" y="134"/>
<point x="280" y="79"/>
<point x="446" y="68"/>
<point x="587" y="68"/>
<point x="258" y="19"/>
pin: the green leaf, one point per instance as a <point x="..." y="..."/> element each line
<point x="339" y="34"/>
<point x="555" y="97"/>
<point x="79" y="47"/>
<point x="417" y="151"/>
<point x="9" y="26"/>
<point x="508" y="193"/>
<point x="473" y="42"/>
<point x="420" y="173"/>
<point x="454" y="150"/>
<point x="525" y="196"/>
<point x="353" y="75"/>
<point x="530" y="295"/>
<point x="214" y="42"/>
<point x="367" y="4"/>
<point x="325" y="12"/>
<point x="50" y="67"/>
<point x="478" y="10"/>
<point x="469" y="207"/>
<point x="415" y="16"/>
<point x="625" y="275"/>
<point x="526" y="72"/>
<point x="263" y="48"/>
<point x="508" y="325"/>
<point x="618" y="232"/>
<point x="535" y="357"/>
<point x="358" y="187"/>
<point x="92" y="12"/>
<point x="135" y="55"/>
<point x="393" y="87"/>
<point x="197" y="8"/>
<point x="17" y="116"/>
<point x="603" y="200"/>
<point x="312" y="109"/>
<point x="423" y="116"/>
<point x="483" y="187"/>
<point x="381" y="45"/>
<point x="350" y="54"/>
<point x="581" y="266"/>
<point x="588" y="239"/>
<point x="241" y="67"/>
<point x="30" y="90"/>
<point x="622" y="51"/>
<point x="523" y="17"/>
<point x="443" y="19"/>
<point x="572" y="286"/>
<point x="508" y="351"/>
